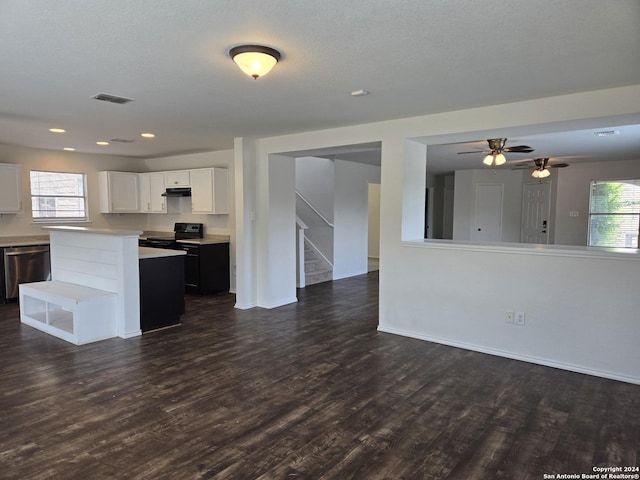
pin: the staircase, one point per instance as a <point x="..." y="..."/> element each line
<point x="316" y="269"/>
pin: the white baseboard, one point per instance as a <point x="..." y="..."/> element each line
<point x="135" y="333"/>
<point x="514" y="356"/>
<point x="280" y="303"/>
<point x="245" y="306"/>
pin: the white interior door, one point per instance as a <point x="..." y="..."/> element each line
<point x="488" y="216"/>
<point x="535" y="212"/>
<point x="447" y="214"/>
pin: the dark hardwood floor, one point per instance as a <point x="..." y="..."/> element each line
<point x="306" y="391"/>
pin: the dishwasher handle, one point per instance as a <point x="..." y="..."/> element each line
<point x="11" y="252"/>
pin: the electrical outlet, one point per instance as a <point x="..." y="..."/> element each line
<point x="509" y="317"/>
<point x="519" y="320"/>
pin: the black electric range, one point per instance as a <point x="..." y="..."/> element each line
<point x="206" y="266"/>
<point x="181" y="231"/>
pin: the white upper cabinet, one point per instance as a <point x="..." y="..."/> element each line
<point x="10" y="188"/>
<point x="177" y="178"/>
<point x="152" y="187"/>
<point x="126" y="192"/>
<point x="210" y="191"/>
<point x="118" y="192"/>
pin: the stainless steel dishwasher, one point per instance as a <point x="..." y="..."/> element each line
<point x="25" y="265"/>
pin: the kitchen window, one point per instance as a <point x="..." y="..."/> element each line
<point x="58" y="196"/>
<point x="614" y="213"/>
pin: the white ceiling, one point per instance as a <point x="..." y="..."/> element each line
<point x="414" y="56"/>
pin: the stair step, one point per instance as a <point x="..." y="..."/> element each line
<point x="318" y="278"/>
<point x="316" y="269"/>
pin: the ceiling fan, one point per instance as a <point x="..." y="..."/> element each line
<point x="542" y="167"/>
<point x="495" y="155"/>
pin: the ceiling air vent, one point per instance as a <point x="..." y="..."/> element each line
<point x="121" y="140"/>
<point x="106" y="97"/>
<point x="606" y="133"/>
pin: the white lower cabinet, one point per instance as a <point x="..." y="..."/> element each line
<point x="210" y="191"/>
<point x="118" y="192"/>
<point x="10" y="188"/>
<point x="152" y="186"/>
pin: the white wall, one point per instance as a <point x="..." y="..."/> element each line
<point x="351" y="217"/>
<point x="315" y="180"/>
<point x="452" y="303"/>
<point x="573" y="195"/>
<point x="569" y="192"/>
<point x="581" y="311"/>
<point x="38" y="159"/>
<point x="338" y="189"/>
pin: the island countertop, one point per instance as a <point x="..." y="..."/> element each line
<point x="99" y="231"/>
<point x="149" y="252"/>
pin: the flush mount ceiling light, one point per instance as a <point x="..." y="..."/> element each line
<point x="148" y="135"/>
<point x="57" y="130"/>
<point x="254" y="60"/>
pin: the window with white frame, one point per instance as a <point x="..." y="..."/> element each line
<point x="614" y="213"/>
<point x="58" y="196"/>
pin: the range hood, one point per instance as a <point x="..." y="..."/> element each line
<point x="177" y="192"/>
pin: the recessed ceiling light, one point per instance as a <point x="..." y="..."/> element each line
<point x="102" y="143"/>
<point x="606" y="133"/>
<point x="57" y="130"/>
<point x="69" y="149"/>
<point x="359" y="93"/>
<point x="148" y="135"/>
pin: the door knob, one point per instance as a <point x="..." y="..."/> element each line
<point x="479" y="229"/>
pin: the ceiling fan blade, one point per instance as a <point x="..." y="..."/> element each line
<point x="518" y="149"/>
<point x="558" y="165"/>
<point x="477" y="151"/>
<point x="523" y="167"/>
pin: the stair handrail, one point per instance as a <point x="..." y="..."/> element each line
<point x="300" y="223"/>
<point x="324" y="219"/>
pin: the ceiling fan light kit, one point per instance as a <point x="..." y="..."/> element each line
<point x="494" y="159"/>
<point x="255" y="60"/>
<point x="495" y="155"/>
<point x="544" y="173"/>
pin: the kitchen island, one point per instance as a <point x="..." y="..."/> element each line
<point x="90" y="265"/>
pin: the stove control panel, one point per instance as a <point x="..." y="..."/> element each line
<point x="189" y="230"/>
